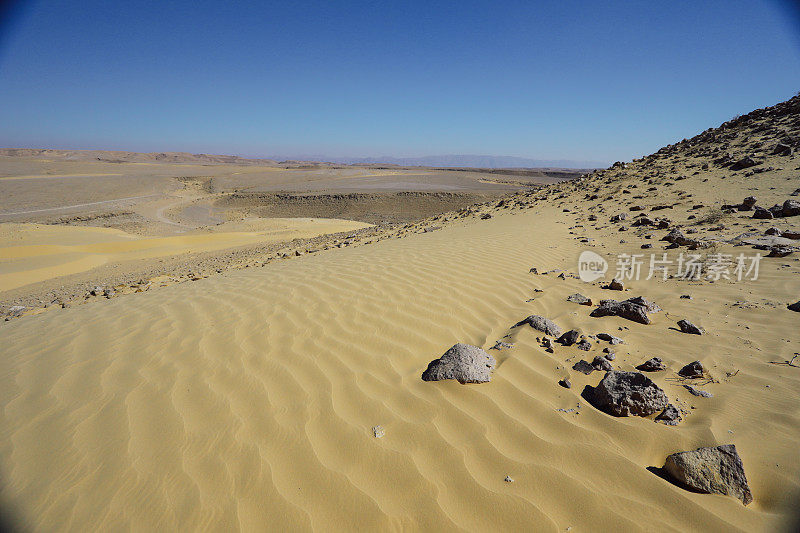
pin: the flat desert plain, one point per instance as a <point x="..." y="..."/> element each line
<point x="288" y="395"/>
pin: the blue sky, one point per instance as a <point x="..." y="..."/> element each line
<point x="588" y="81"/>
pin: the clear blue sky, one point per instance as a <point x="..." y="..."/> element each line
<point x="581" y="80"/>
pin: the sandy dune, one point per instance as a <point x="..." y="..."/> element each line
<point x="247" y="400"/>
<point x="32" y="253"/>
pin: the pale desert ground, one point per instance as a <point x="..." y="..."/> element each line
<point x="246" y="400"/>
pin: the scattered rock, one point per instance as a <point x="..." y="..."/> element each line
<point x="486" y="216"/>
<point x="698" y="392"/>
<point x="615" y="285"/>
<point x="780" y="251"/>
<point x="509" y="479"/>
<point x="688" y="327"/>
<point x="794" y="307"/>
<point x="378" y="432"/>
<point x="716" y="470"/>
<point x="610" y="338"/>
<point x="652" y="365"/>
<point x="579" y="299"/>
<point x="462" y="362"/>
<point x="569" y="338"/>
<point x="601" y="363"/>
<point x="790" y="208"/>
<point x="763" y="214"/>
<point x="670" y="416"/>
<point x="692" y="370"/>
<point x="584" y="367"/>
<point x="565" y="383"/>
<point x="584" y="345"/>
<point x="540" y="323"/>
<point x="629" y="393"/>
<point x="635" y="309"/>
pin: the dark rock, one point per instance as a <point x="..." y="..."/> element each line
<point x="748" y="204"/>
<point x="782" y="149"/>
<point x="670" y="416"/>
<point x="579" y="299"/>
<point x="790" y="208"/>
<point x="677" y="237"/>
<point x="763" y="214"/>
<point x="610" y="338"/>
<point x="584" y="345"/>
<point x="773" y="231"/>
<point x="583" y="366"/>
<point x="716" y="470"/>
<point x="794" y="307"/>
<point x="780" y="251"/>
<point x="629" y="393"/>
<point x="601" y="363"/>
<point x="745" y="162"/>
<point x="569" y="338"/>
<point x="688" y="327"/>
<point x="486" y="216"/>
<point x="652" y="365"/>
<point x="462" y="362"/>
<point x="540" y="323"/>
<point x="619" y="218"/>
<point x="635" y="309"/>
<point x="565" y="383"/>
<point x="692" y="370"/>
<point x="615" y="285"/>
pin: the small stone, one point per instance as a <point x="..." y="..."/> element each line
<point x="601" y="363"/>
<point x="652" y="365"/>
<point x="569" y="338"/>
<point x="565" y="383"/>
<point x="509" y="479"/>
<point x="610" y="338"/>
<point x="540" y="323"/>
<point x="579" y="299"/>
<point x="670" y="416"/>
<point x="688" y="327"/>
<point x="698" y="392"/>
<point x="583" y="367"/>
<point x="692" y="370"/>
<point x="378" y="432"/>
<point x="615" y="285"/>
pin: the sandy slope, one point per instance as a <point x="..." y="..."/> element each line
<point x="31" y="253"/>
<point x="247" y="400"/>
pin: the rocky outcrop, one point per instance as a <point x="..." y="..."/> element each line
<point x="715" y="470"/>
<point x="464" y="363"/>
<point x="629" y="393"/>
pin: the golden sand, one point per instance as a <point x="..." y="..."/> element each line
<point x="247" y="400"/>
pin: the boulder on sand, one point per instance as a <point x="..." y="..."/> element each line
<point x="462" y="362"/>
<point x="652" y="365"/>
<point x="715" y="470"/>
<point x="629" y="393"/>
<point x="692" y="370"/>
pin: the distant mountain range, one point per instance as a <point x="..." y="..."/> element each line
<point x="478" y="161"/>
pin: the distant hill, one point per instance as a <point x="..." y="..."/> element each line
<point x="475" y="161"/>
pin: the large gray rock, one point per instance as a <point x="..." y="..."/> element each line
<point x="716" y="470"/>
<point x="540" y="323"/>
<point x="652" y="365"/>
<point x="462" y="362"/>
<point x="635" y="309"/>
<point x="629" y="393"/>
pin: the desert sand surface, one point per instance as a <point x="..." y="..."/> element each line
<point x="289" y="395"/>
